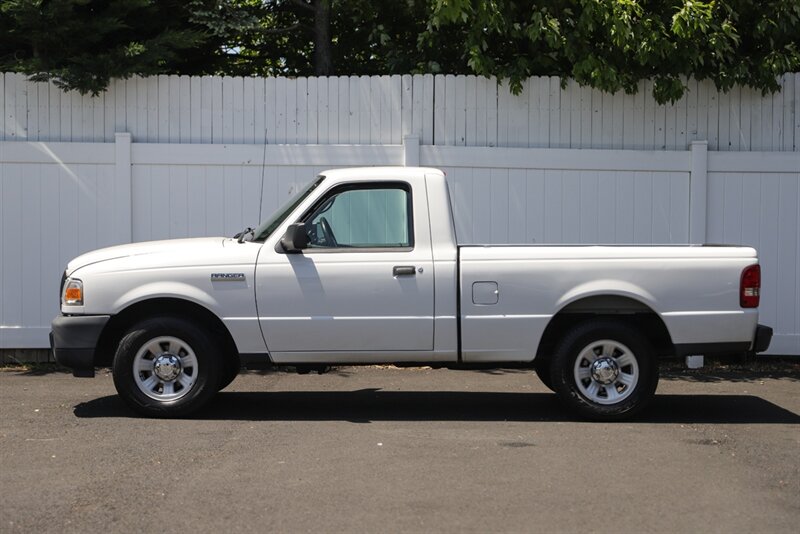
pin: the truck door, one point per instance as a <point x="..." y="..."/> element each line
<point x="363" y="289"/>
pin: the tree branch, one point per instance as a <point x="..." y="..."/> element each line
<point x="270" y="31"/>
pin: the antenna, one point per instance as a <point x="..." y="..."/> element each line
<point x="263" y="164"/>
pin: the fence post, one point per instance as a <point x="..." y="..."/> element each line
<point x="411" y="151"/>
<point x="122" y="187"/>
<point x="698" y="192"/>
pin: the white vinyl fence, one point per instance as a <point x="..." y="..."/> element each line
<point x="380" y="110"/>
<point x="61" y="199"/>
<point x="66" y="190"/>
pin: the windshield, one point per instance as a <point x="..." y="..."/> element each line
<point x="266" y="228"/>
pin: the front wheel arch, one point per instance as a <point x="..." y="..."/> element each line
<point x="120" y="323"/>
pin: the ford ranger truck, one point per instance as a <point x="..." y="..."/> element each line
<point x="362" y="266"/>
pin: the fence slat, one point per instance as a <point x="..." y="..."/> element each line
<point x="796" y="145"/>
<point x="21" y="112"/>
<point x="354" y="111"/>
<point x="280" y="107"/>
<point x="562" y="116"/>
<point x="406" y="104"/>
<point x="4" y="120"/>
<point x="195" y="109"/>
<point x="301" y="113"/>
<point x="417" y="98"/>
<point x="585" y="121"/>
<point x="374" y="109"/>
<point x="503" y="112"/>
<point x="249" y="110"/>
<point x="439" y="111"/>
<point x="312" y="88"/>
<point x="681" y="136"/>
<point x="259" y="113"/>
<point x="365" y="109"/>
<point x="554" y="103"/>
<point x="32" y="91"/>
<point x="713" y="118"/>
<point x="333" y="111"/>
<point x="518" y="119"/>
<point x="605" y="118"/>
<point x="725" y="104"/>
<point x="459" y="104"/>
<point x="543" y="135"/>
<point x="270" y="115"/>
<point x="343" y="133"/>
<point x="481" y="111"/>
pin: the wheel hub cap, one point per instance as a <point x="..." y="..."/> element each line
<point x="167" y="366"/>
<point x="605" y="370"/>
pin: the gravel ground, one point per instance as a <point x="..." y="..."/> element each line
<point x="385" y="449"/>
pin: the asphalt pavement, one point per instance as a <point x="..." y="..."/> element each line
<point x="385" y="450"/>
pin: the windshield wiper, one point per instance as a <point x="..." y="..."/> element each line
<point x="241" y="235"/>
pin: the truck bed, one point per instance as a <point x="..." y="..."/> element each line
<point x="695" y="289"/>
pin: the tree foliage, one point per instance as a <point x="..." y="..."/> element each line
<point x="607" y="44"/>
<point x="279" y="37"/>
<point x="82" y="44"/>
<point x="613" y="44"/>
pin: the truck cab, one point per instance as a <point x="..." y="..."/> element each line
<point x="374" y="276"/>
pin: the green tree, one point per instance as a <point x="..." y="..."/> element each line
<point x="613" y="44"/>
<point x="327" y="37"/>
<point x="82" y="44"/>
<point x="607" y="44"/>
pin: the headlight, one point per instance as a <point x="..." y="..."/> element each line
<point x="73" y="292"/>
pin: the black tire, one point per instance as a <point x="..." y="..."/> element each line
<point x="542" y="367"/>
<point x="230" y="370"/>
<point x="205" y="374"/>
<point x="590" y="396"/>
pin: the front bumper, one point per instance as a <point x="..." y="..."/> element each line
<point x="73" y="339"/>
<point x="762" y="339"/>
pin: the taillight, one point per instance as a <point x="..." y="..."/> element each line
<point x="750" y="287"/>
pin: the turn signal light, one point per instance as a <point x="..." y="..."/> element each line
<point x="750" y="287"/>
<point x="73" y="293"/>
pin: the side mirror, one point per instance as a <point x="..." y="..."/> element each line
<point x="295" y="239"/>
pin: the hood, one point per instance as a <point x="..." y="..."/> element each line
<point x="173" y="246"/>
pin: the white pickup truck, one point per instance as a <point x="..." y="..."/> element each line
<point x="362" y="266"/>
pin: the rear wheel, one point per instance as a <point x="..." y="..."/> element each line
<point x="166" y="367"/>
<point x="604" y="370"/>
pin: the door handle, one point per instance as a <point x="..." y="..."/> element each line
<point x="400" y="270"/>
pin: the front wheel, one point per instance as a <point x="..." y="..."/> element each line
<point x="605" y="370"/>
<point x="542" y="367"/>
<point x="166" y="367"/>
<point x="230" y="370"/>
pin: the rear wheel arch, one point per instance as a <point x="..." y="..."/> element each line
<point x="622" y="308"/>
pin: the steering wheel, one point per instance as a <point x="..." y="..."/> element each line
<point x="330" y="239"/>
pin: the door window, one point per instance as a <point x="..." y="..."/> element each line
<point x="367" y="216"/>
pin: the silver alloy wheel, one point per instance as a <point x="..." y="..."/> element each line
<point x="606" y="372"/>
<point x="165" y="368"/>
